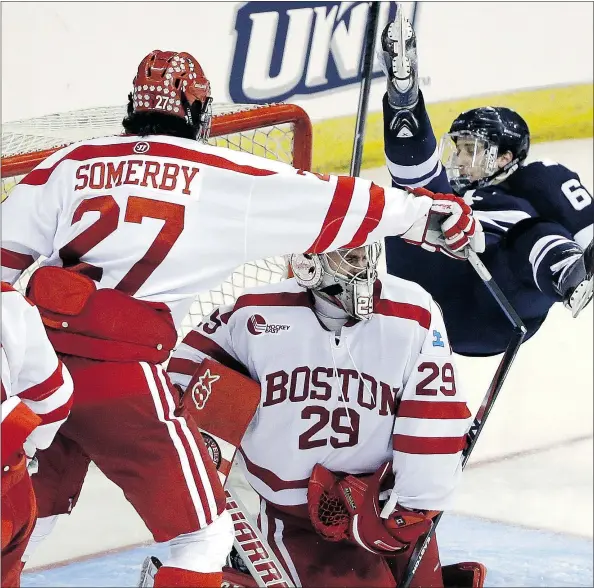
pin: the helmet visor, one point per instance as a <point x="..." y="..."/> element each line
<point x="467" y="158"/>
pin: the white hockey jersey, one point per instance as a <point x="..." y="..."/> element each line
<point x="164" y="218"/>
<point x="385" y="390"/>
<point x="33" y="379"/>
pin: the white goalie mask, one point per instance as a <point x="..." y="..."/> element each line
<point x="344" y="277"/>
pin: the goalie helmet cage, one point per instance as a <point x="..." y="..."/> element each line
<point x="281" y="132"/>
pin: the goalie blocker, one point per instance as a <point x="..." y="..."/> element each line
<point x="222" y="402"/>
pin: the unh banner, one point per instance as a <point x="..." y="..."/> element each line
<point x="285" y="49"/>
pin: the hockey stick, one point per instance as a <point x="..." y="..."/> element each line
<point x="414" y="15"/>
<point x="484" y="410"/>
<point x="370" y="34"/>
<point x="253" y="548"/>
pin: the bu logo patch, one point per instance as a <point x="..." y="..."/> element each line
<point x="202" y="389"/>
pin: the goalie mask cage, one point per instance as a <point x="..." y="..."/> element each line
<point x="273" y="131"/>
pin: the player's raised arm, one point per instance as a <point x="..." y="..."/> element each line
<point x="316" y="213"/>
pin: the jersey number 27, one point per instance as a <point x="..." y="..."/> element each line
<point x="109" y="213"/>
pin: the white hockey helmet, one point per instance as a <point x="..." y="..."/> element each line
<point x="344" y="277"/>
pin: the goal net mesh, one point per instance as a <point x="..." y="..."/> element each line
<point x="281" y="132"/>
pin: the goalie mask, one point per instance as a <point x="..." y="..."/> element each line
<point x="344" y="277"/>
<point x="174" y="84"/>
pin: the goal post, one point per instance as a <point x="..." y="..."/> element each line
<point x="281" y="132"/>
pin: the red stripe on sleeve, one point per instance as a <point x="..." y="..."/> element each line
<point x="14" y="260"/>
<point x="433" y="410"/>
<point x="375" y="210"/>
<point x="46" y="388"/>
<point x="205" y="345"/>
<point x="428" y="445"/>
<point x="403" y="310"/>
<point x="57" y="414"/>
<point x="341" y="200"/>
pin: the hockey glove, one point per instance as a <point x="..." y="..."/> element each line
<point x="349" y="509"/>
<point x="449" y="227"/>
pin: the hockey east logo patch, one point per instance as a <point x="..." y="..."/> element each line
<point x="202" y="389"/>
<point x="257" y="325"/>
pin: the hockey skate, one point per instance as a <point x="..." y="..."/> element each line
<point x="233" y="577"/>
<point x="150" y="567"/>
<point x="399" y="62"/>
<point x="576" y="281"/>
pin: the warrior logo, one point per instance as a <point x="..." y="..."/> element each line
<point x="256" y="325"/>
<point x="213" y="449"/>
<point x="141" y="147"/>
<point x="202" y="389"/>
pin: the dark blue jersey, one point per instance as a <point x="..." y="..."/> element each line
<point x="557" y="194"/>
<point x="529" y="223"/>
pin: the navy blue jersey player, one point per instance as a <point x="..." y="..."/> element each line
<point x="537" y="217"/>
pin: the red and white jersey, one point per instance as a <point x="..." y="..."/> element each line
<point x="164" y="218"/>
<point x="386" y="389"/>
<point x="33" y="379"/>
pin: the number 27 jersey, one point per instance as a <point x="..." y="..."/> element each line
<point x="164" y="218"/>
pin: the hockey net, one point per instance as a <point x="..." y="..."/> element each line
<point x="275" y="131"/>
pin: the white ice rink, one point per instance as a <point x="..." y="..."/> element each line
<point x="532" y="467"/>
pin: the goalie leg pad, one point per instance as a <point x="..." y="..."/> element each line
<point x="427" y="575"/>
<point x="468" y="574"/>
<point x="313" y="561"/>
<point x="236" y="579"/>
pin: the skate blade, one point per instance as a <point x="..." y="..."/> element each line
<point x="585" y="291"/>
<point x="399" y="32"/>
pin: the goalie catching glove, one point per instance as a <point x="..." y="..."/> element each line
<point x="449" y="226"/>
<point x="348" y="509"/>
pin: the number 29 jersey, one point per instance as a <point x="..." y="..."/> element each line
<point x="384" y="390"/>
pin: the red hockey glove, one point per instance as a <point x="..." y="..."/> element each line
<point x="449" y="227"/>
<point x="349" y="509"/>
